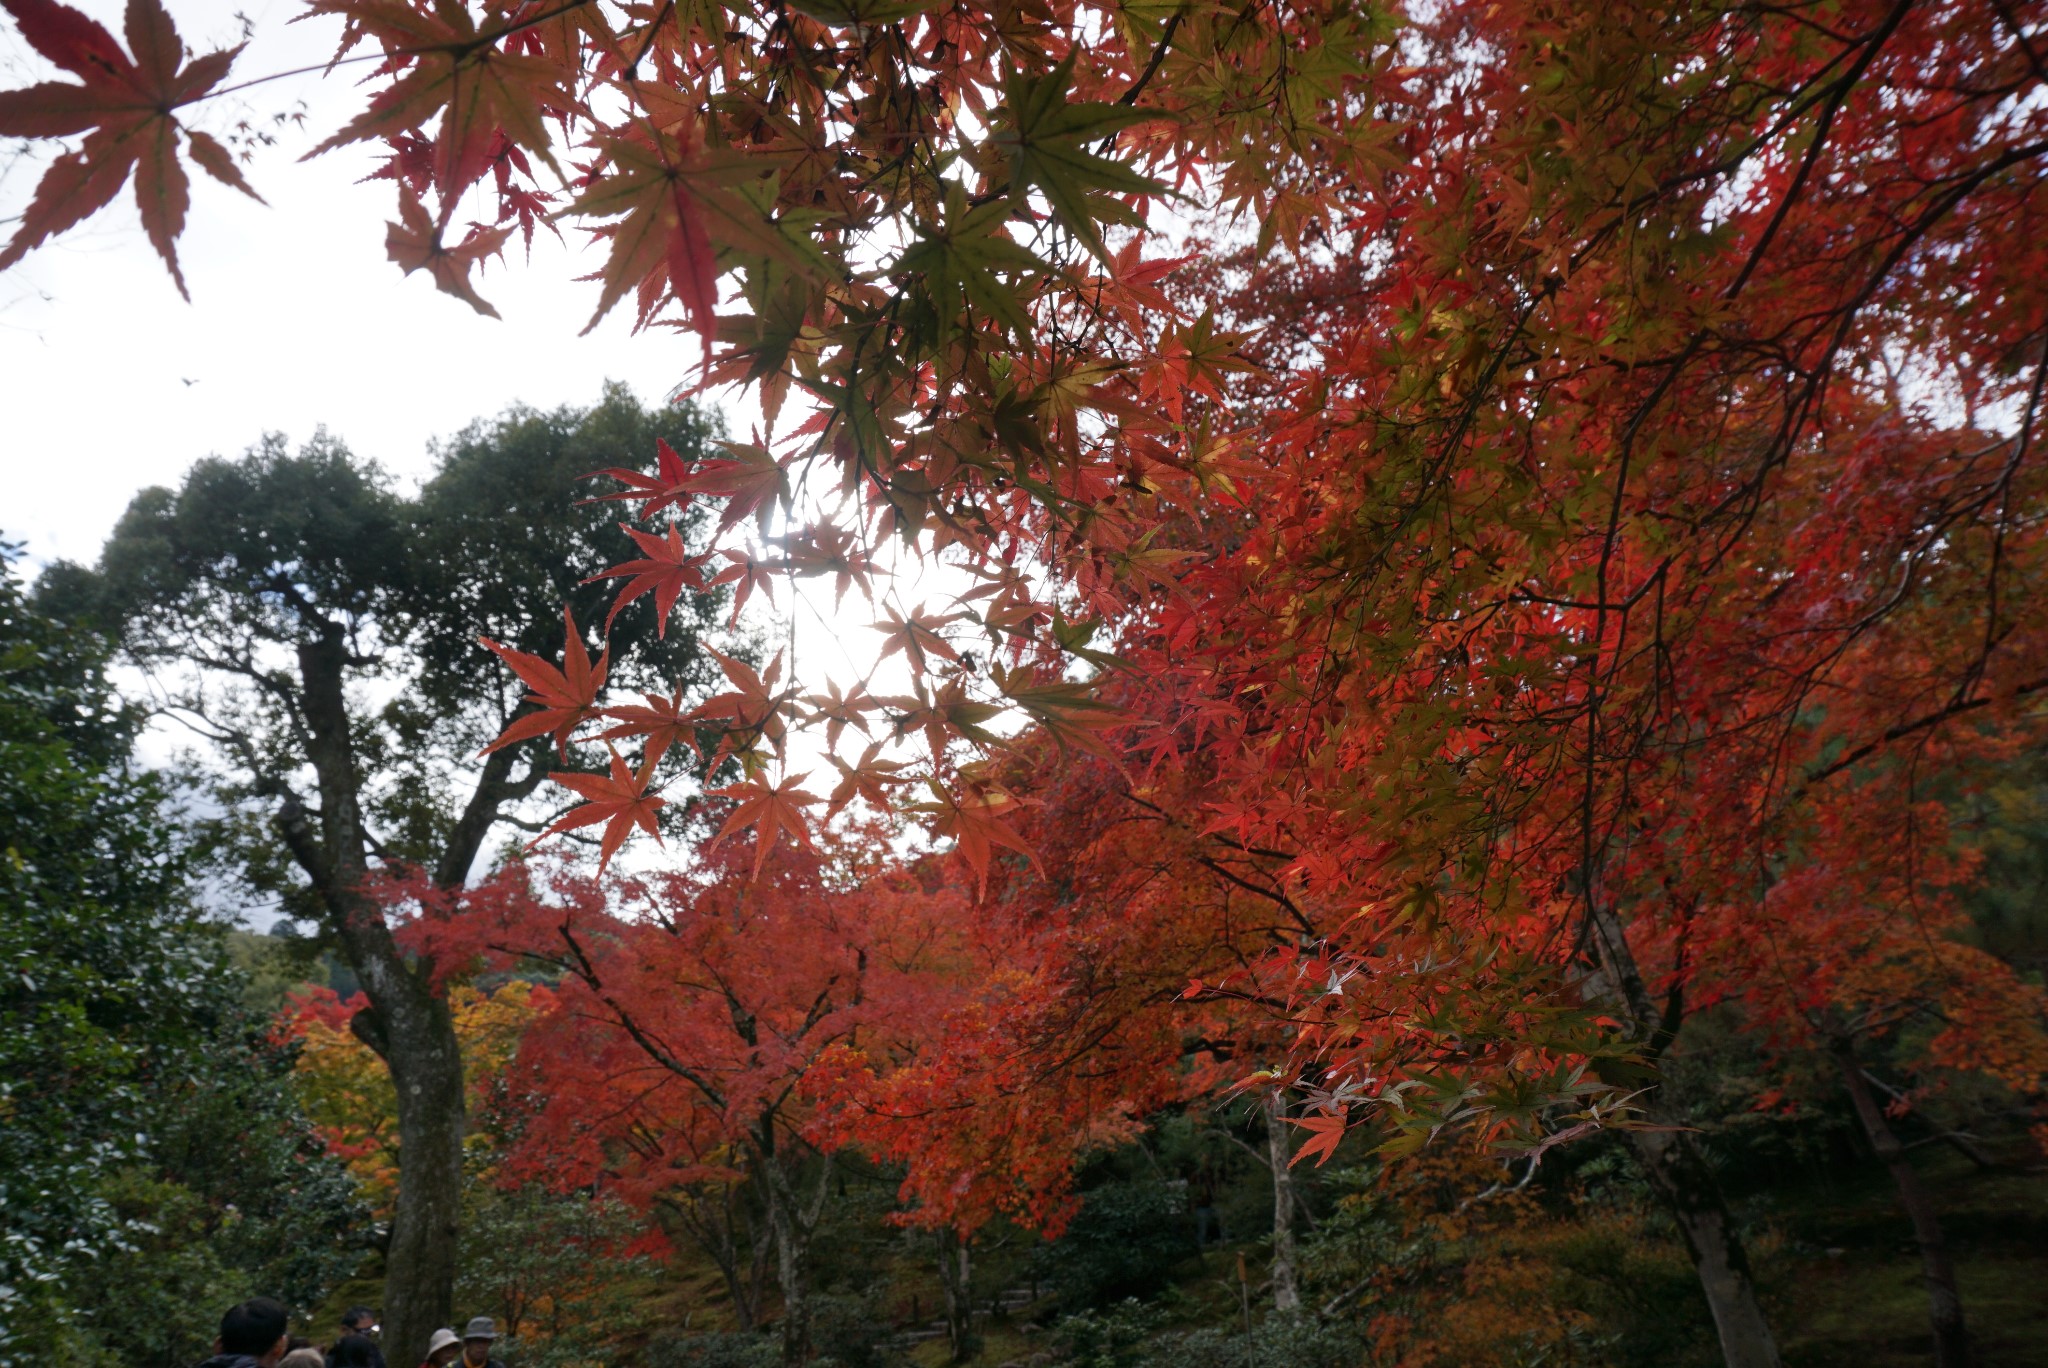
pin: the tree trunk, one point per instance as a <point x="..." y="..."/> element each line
<point x="791" y="1276"/>
<point x="426" y="1221"/>
<point x="1937" y="1270"/>
<point x="955" y="1278"/>
<point x="1676" y="1167"/>
<point x="408" y="1024"/>
<point x="1280" y="1150"/>
<point x="1684" y="1179"/>
<point x="791" y="1217"/>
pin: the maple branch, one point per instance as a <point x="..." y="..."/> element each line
<point x="1954" y="708"/>
<point x="1130" y="97"/>
<point x="2019" y="34"/>
<point x="625" y="1021"/>
<point x="1831" y="105"/>
<point x="1962" y="1142"/>
<point x="460" y="50"/>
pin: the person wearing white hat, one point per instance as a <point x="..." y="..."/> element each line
<point x="476" y="1343"/>
<point x="443" y="1349"/>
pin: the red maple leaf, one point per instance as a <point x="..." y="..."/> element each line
<point x="660" y="490"/>
<point x="124" y="108"/>
<point x="753" y="480"/>
<point x="662" y="723"/>
<point x="666" y="570"/>
<point x="1325" y="1134"/>
<point x="564" y="696"/>
<point x="619" y="799"/>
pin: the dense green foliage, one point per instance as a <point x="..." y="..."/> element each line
<point x="213" y="586"/>
<point x="152" y="1156"/>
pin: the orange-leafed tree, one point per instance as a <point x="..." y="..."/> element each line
<point x="347" y="1090"/>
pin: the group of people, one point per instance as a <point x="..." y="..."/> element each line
<point x="257" y="1334"/>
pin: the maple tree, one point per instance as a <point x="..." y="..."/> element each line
<point x="1613" y="440"/>
<point x="676" y="1061"/>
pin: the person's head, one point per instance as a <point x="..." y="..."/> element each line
<point x="303" y="1356"/>
<point x="255" y="1328"/>
<point x="353" y="1351"/>
<point x="359" y="1320"/>
<point x="476" y="1341"/>
<point x="443" y="1349"/>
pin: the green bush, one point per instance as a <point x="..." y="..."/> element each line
<point x="1125" y="1243"/>
<point x="1113" y="1337"/>
<point x="1276" y="1342"/>
<point x="715" y="1350"/>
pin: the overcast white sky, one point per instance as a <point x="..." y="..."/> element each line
<point x="297" y="319"/>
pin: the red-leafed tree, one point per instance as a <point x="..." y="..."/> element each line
<point x="1618" y="435"/>
<point x="682" y="1058"/>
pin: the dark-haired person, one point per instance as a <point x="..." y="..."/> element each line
<point x="361" y="1320"/>
<point x="252" y="1335"/>
<point x="354" y="1351"/>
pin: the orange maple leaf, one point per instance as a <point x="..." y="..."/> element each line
<point x="770" y="810"/>
<point x="751" y="705"/>
<point x="915" y="635"/>
<point x="619" y="799"/>
<point x="127" y="107"/>
<point x="749" y="574"/>
<point x="415" y="244"/>
<point x="661" y="724"/>
<point x="480" y="91"/>
<point x="565" y="696"/>
<point x="666" y="570"/>
<point x="865" y="779"/>
<point x="1326" y="1132"/>
<point x="974" y="820"/>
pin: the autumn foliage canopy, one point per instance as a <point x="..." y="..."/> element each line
<point x="1473" y="524"/>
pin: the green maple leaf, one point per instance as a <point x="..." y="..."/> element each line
<point x="962" y="257"/>
<point x="1046" y="137"/>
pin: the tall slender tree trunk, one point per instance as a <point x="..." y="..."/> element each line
<point x="1672" y="1159"/>
<point x="792" y="1217"/>
<point x="1280" y="1152"/>
<point x="1937" y="1269"/>
<point x="956" y="1279"/>
<point x="1686" y="1183"/>
<point x="426" y="1222"/>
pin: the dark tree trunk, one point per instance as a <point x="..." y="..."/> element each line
<point x="792" y="1217"/>
<point x="408" y="1024"/>
<point x="1280" y="1151"/>
<point x="1937" y="1270"/>
<point x="415" y="1034"/>
<point x="1686" y="1182"/>
<point x="956" y="1279"/>
<point x="1676" y="1167"/>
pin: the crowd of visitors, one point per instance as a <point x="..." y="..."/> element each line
<point x="257" y="1334"/>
